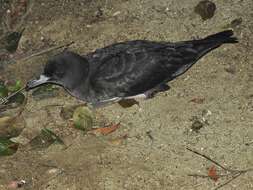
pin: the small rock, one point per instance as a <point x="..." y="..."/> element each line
<point x="99" y="13"/>
<point x="236" y="22"/>
<point x="53" y="171"/>
<point x="205" y="9"/>
<point x="16" y="184"/>
<point x="206" y="113"/>
<point x="196" y="125"/>
<point x="231" y="69"/>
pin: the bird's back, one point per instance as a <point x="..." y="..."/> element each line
<point x="134" y="67"/>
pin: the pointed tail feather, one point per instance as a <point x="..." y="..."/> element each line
<point x="213" y="41"/>
<point x="222" y="37"/>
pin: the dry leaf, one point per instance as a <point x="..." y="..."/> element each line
<point x="212" y="173"/>
<point x="105" y="130"/>
<point x="128" y="103"/>
<point x="198" y="100"/>
<point x="6" y="121"/>
<point x="10" y="126"/>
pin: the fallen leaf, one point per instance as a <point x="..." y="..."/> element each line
<point x="198" y="100"/>
<point x="7" y="147"/>
<point x="6" y="120"/>
<point x="105" y="130"/>
<point x="11" y="124"/>
<point x="212" y="173"/>
<point x="17" y="99"/>
<point x="3" y="91"/>
<point x="6" y="127"/>
<point x="52" y="135"/>
<point x="17" y="86"/>
<point x="45" y="139"/>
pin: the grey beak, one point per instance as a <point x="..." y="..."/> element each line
<point x="34" y="83"/>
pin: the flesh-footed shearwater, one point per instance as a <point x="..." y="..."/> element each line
<point x="126" y="70"/>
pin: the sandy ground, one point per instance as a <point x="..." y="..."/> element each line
<point x="223" y="80"/>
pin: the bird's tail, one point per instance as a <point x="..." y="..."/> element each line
<point x="221" y="37"/>
<point x="213" y="41"/>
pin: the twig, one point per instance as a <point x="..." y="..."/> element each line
<point x="206" y="157"/>
<point x="5" y="99"/>
<point x="150" y="135"/>
<point x="45" y="51"/>
<point x="206" y="176"/>
<point x="233" y="173"/>
<point x="216" y="163"/>
<point x="29" y="9"/>
<point x="228" y="181"/>
<point x="39" y="53"/>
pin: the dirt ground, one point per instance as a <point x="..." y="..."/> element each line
<point x="217" y="91"/>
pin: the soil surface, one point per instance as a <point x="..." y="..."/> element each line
<point x="209" y="109"/>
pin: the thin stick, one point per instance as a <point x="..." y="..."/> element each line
<point x="228" y="181"/>
<point x="45" y="51"/>
<point x="211" y="160"/>
<point x="206" y="176"/>
<point x="235" y="173"/>
<point x="39" y="53"/>
<point x="5" y="100"/>
<point x="216" y="163"/>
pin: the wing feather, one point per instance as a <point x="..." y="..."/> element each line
<point x="132" y="70"/>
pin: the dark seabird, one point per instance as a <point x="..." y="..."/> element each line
<point x="126" y="70"/>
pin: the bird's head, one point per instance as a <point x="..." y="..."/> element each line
<point x="67" y="69"/>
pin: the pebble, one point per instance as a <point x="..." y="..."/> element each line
<point x="205" y="9"/>
<point x="53" y="171"/>
<point x="116" y="13"/>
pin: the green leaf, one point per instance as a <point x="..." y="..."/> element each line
<point x="7" y="147"/>
<point x="45" y="139"/>
<point x="51" y="135"/>
<point x="3" y="91"/>
<point x="18" y="98"/>
<point x="15" y="87"/>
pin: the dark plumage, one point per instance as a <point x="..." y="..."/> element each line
<point x="125" y="70"/>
